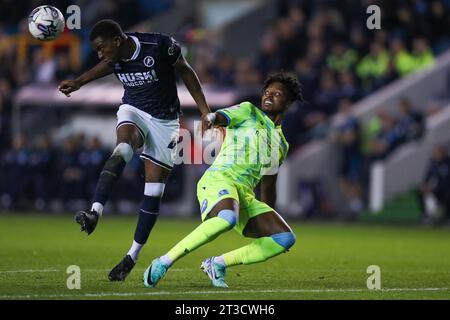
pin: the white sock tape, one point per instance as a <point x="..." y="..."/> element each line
<point x="154" y="189"/>
<point x="124" y="150"/>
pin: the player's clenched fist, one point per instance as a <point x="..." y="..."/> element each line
<point x="69" y="86"/>
<point x="208" y="121"/>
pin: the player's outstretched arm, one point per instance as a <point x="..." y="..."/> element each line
<point x="269" y="190"/>
<point x="192" y="83"/>
<point x="100" y="70"/>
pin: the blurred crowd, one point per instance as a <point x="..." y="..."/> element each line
<point x="338" y="59"/>
<point x="57" y="175"/>
<point x="326" y="43"/>
<point x="49" y="176"/>
<point x="362" y="144"/>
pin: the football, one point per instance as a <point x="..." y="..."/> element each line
<point x="46" y="23"/>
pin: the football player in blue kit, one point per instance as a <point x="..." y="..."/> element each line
<point x="146" y="64"/>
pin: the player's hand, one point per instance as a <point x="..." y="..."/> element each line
<point x="207" y="121"/>
<point x="69" y="86"/>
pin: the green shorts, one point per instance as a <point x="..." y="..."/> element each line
<point x="215" y="186"/>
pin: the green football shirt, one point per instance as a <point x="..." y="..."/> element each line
<point x="253" y="145"/>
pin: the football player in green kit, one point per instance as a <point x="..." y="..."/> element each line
<point x="253" y="149"/>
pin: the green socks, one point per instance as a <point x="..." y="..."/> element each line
<point x="259" y="250"/>
<point x="204" y="233"/>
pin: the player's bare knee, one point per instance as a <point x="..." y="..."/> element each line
<point x="229" y="216"/>
<point x="285" y="239"/>
<point x="124" y="150"/>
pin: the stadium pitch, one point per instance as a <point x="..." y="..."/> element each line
<point x="329" y="261"/>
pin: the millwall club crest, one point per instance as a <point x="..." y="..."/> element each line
<point x="149" y="61"/>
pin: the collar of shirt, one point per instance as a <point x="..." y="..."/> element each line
<point x="137" y="51"/>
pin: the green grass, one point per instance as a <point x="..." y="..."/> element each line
<point x="329" y="261"/>
<point x="403" y="209"/>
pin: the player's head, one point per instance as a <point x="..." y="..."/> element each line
<point x="106" y="38"/>
<point x="280" y="90"/>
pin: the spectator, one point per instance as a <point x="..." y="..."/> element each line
<point x="402" y="60"/>
<point x="289" y="46"/>
<point x="269" y="56"/>
<point x="5" y="113"/>
<point x="316" y="54"/>
<point x="411" y="123"/>
<point x="92" y="160"/>
<point x="246" y="74"/>
<point x="387" y="140"/>
<point x="63" y="68"/>
<point x="203" y="73"/>
<point x="434" y="190"/>
<point x="327" y="96"/>
<point x="16" y="163"/>
<point x="341" y="58"/>
<point x="439" y="23"/>
<point x="224" y="73"/>
<point x="348" y="88"/>
<point x="422" y="55"/>
<point x="42" y="169"/>
<point x="295" y="128"/>
<point x="307" y="76"/>
<point x="369" y="132"/>
<point x="72" y="176"/>
<point x="358" y="40"/>
<point x="347" y="139"/>
<point x="298" y="18"/>
<point x="373" y="66"/>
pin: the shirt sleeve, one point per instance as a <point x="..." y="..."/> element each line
<point x="170" y="49"/>
<point x="236" y="115"/>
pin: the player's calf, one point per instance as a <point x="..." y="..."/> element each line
<point x="148" y="214"/>
<point x="259" y="250"/>
<point x="111" y="172"/>
<point x="268" y="247"/>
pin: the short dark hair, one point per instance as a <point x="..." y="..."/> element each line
<point x="106" y="29"/>
<point x="289" y="81"/>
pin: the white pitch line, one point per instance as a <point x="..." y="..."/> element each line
<point x="86" y="270"/>
<point x="168" y="293"/>
<point x="29" y="271"/>
<point x="139" y="269"/>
